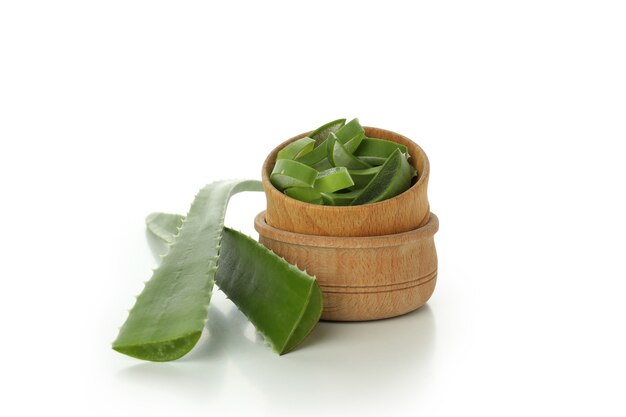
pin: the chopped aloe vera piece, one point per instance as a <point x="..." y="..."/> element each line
<point x="343" y="158"/>
<point x="288" y="173"/>
<point x="171" y="311"/>
<point x="333" y="179"/>
<point x="282" y="302"/>
<point x="351" y="132"/>
<point x="316" y="155"/>
<point x="372" y="147"/>
<point x="296" y="149"/>
<point x="340" y="199"/>
<point x="362" y="177"/>
<point x="306" y="194"/>
<point x="393" y="178"/>
<point x="321" y="133"/>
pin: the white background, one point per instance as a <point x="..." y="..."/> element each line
<point x="111" y="110"/>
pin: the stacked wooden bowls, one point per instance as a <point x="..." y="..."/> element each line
<point x="371" y="261"/>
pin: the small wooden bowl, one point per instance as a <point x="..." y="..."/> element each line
<point x="402" y="213"/>
<point x="362" y="278"/>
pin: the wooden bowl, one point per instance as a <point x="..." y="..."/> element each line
<point x="362" y="278"/>
<point x="402" y="213"/>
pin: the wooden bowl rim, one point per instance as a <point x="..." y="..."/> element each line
<point x="345" y="210"/>
<point x="396" y="239"/>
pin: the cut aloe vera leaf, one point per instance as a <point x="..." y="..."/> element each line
<point x="296" y="149"/>
<point x="282" y="302"/>
<point x="351" y="132"/>
<point x="316" y="155"/>
<point x="330" y="143"/>
<point x="333" y="179"/>
<point x="322" y="165"/>
<point x="321" y="133"/>
<point x="372" y="147"/>
<point x="343" y="158"/>
<point x="393" y="178"/>
<point x="362" y="177"/>
<point x="171" y="311"/>
<point x="288" y="173"/>
<point x="340" y="199"/>
<point x="306" y="194"/>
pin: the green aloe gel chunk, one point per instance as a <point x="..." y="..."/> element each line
<point x="282" y="302"/>
<point x="171" y="311"/>
<point x="306" y="194"/>
<point x="288" y="173"/>
<point x="296" y="149"/>
<point x="321" y="133"/>
<point x="393" y="178"/>
<point x="372" y="147"/>
<point x="351" y="135"/>
<point x="332" y="180"/>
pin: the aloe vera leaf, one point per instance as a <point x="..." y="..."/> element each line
<point x="340" y="199"/>
<point x="296" y="149"/>
<point x="288" y="173"/>
<point x="282" y="302"/>
<point x="321" y="133"/>
<point x="393" y="178"/>
<point x="333" y="179"/>
<point x="171" y="311"/>
<point x="343" y="158"/>
<point x="362" y="177"/>
<point x="316" y="155"/>
<point x="372" y="147"/>
<point x="351" y="131"/>
<point x="306" y="194"/>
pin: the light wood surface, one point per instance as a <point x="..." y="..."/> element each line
<point x="363" y="278"/>
<point x="404" y="212"/>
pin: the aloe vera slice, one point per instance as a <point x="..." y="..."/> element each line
<point x="171" y="311"/>
<point x="288" y="173"/>
<point x="321" y="133"/>
<point x="372" y="147"/>
<point x="393" y="178"/>
<point x="375" y="161"/>
<point x="340" y="199"/>
<point x="296" y="149"/>
<point x="316" y="155"/>
<point x="343" y="158"/>
<point x="351" y="132"/>
<point x="306" y="194"/>
<point x="332" y="180"/>
<point x="362" y="177"/>
<point x="282" y="302"/>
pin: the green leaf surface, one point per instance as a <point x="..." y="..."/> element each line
<point x="282" y="302"/>
<point x="288" y="173"/>
<point x="372" y="147"/>
<point x="321" y="133"/>
<point x="171" y="311"/>
<point x="393" y="178"/>
<point x="316" y="155"/>
<point x="343" y="158"/>
<point x="296" y="149"/>
<point x="340" y="199"/>
<point x="351" y="135"/>
<point x="306" y="194"/>
<point x="362" y="177"/>
<point x="333" y="179"/>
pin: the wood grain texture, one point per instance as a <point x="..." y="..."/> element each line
<point x="404" y="212"/>
<point x="363" y="278"/>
